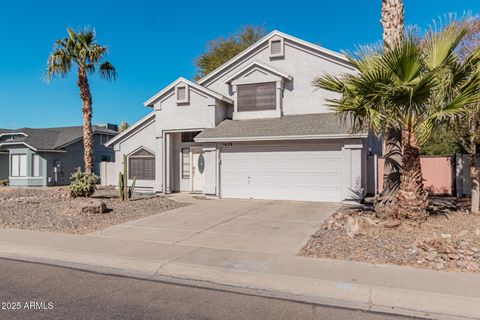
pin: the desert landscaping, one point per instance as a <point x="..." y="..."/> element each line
<point x="51" y="209"/>
<point x="448" y="240"/>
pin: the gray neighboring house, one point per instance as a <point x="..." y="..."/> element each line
<point x="48" y="156"/>
<point x="253" y="128"/>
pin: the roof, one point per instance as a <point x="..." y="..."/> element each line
<point x="305" y="126"/>
<point x="275" y="33"/>
<point x="207" y="91"/>
<point x="147" y="119"/>
<point x="46" y="139"/>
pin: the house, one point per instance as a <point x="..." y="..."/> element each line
<point x="253" y="128"/>
<point x="48" y="156"/>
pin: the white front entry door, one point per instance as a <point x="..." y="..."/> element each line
<point x="198" y="170"/>
<point x="282" y="171"/>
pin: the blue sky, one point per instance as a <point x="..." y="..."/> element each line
<point x="152" y="43"/>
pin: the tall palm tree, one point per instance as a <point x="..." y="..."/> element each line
<point x="81" y="49"/>
<point x="408" y="87"/>
<point x="393" y="23"/>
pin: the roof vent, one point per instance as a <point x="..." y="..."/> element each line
<point x="276" y="45"/>
<point x="181" y="93"/>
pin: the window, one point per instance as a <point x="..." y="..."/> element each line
<point x="19" y="165"/>
<point x="106" y="159"/>
<point x="141" y="165"/>
<point x="104" y="138"/>
<point x="181" y="93"/>
<point x="36" y="165"/>
<point x="257" y="97"/>
<point x="185" y="163"/>
<point x="188" y="136"/>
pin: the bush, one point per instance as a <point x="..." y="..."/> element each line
<point x="3" y="182"/>
<point x="83" y="184"/>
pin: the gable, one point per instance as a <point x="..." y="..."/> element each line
<point x="298" y="67"/>
<point x="274" y="43"/>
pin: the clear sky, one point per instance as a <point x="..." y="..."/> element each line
<point x="154" y="42"/>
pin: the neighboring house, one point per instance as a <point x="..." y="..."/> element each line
<point x="45" y="157"/>
<point x="253" y="128"/>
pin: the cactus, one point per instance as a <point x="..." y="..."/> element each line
<point x="125" y="191"/>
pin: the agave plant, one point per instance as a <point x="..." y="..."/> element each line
<point x="410" y="86"/>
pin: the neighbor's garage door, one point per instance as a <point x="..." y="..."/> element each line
<point x="288" y="171"/>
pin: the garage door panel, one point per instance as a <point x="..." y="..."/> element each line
<point x="284" y="172"/>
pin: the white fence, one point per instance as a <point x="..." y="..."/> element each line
<point x="108" y="175"/>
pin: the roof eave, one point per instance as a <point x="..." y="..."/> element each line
<point x="292" y="137"/>
<point x="152" y="100"/>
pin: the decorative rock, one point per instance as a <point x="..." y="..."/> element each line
<point x="431" y="256"/>
<point x="352" y="227"/>
<point x="439" y="266"/>
<point x="461" y="264"/>
<point x="91" y="206"/>
<point x="463" y="233"/>
<point x="454" y="256"/>
<point x="392" y="223"/>
<point x="445" y="235"/>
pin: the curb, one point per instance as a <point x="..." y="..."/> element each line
<point x="347" y="295"/>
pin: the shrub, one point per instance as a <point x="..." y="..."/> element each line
<point x="3" y="182"/>
<point x="83" y="184"/>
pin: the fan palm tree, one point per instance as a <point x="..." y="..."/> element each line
<point x="393" y="23"/>
<point x="410" y="86"/>
<point x="81" y="49"/>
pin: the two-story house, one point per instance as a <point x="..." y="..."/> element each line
<point x="253" y="128"/>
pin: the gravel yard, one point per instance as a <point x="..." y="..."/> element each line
<point x="50" y="209"/>
<point x="448" y="240"/>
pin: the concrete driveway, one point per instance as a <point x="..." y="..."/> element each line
<point x="279" y="227"/>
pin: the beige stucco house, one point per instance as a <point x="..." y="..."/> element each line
<point x="253" y="128"/>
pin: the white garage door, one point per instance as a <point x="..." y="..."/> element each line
<point x="289" y="171"/>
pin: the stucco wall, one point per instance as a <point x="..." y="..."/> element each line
<point x="143" y="137"/>
<point x="300" y="96"/>
<point x="201" y="112"/>
<point x="29" y="180"/>
<point x="73" y="159"/>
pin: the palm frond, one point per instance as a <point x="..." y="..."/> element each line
<point x="107" y="71"/>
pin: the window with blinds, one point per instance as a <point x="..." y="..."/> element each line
<point x="257" y="97"/>
<point x="141" y="165"/>
<point x="19" y="165"/>
<point x="185" y="163"/>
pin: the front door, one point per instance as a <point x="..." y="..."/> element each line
<point x="198" y="170"/>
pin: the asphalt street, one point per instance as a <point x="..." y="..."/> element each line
<point x="39" y="291"/>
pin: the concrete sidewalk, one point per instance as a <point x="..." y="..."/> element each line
<point x="384" y="288"/>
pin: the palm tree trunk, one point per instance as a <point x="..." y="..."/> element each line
<point x="393" y="22"/>
<point x="87" y="119"/>
<point x="412" y="199"/>
<point x="475" y="177"/>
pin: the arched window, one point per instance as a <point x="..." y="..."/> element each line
<point x="141" y="165"/>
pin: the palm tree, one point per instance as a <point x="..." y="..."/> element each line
<point x="82" y="50"/>
<point x="407" y="87"/>
<point x="393" y="22"/>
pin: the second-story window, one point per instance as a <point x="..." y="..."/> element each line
<point x="257" y="97"/>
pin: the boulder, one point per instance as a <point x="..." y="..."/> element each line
<point x="394" y="223"/>
<point x="91" y="206"/>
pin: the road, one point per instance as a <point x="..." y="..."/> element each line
<point x="63" y="293"/>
